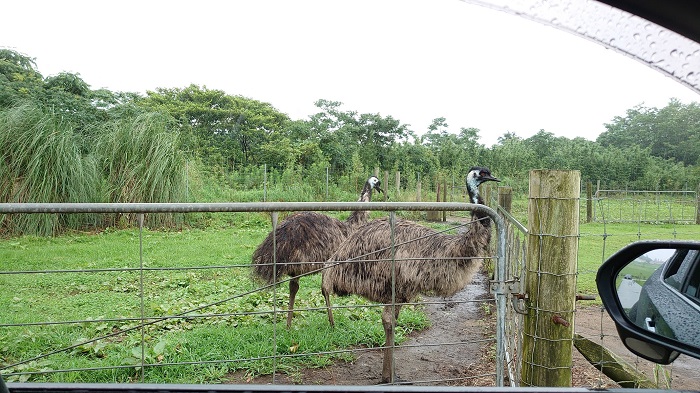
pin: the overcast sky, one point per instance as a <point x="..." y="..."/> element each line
<point x="412" y="60"/>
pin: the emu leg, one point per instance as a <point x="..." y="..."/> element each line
<point x="327" y="296"/>
<point x="293" y="289"/>
<point x="389" y="317"/>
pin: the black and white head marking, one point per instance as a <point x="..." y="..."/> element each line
<point x="475" y="177"/>
<point x="373" y="182"/>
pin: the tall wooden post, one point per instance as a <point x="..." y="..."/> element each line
<point x="697" y="206"/>
<point x="486" y="194"/>
<point x="505" y="198"/>
<point x="550" y="282"/>
<point x="444" y="198"/>
<point x="589" y="202"/>
<point x="434" y="215"/>
<point x="398" y="182"/>
<point x="418" y="189"/>
<point x="386" y="185"/>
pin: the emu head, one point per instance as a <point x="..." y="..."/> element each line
<point x="373" y="183"/>
<point x="476" y="176"/>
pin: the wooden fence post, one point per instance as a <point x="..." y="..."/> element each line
<point x="486" y="194"/>
<point x="550" y="282"/>
<point x="386" y="185"/>
<point x="444" y="198"/>
<point x="697" y="205"/>
<point x="589" y="202"/>
<point x="505" y="198"/>
<point x="385" y="182"/>
<point x="398" y="182"/>
<point x="434" y="215"/>
<point x="418" y="191"/>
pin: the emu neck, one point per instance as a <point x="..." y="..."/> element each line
<point x="475" y="198"/>
<point x="366" y="194"/>
<point x="359" y="217"/>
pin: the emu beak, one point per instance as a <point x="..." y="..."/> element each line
<point x="379" y="189"/>
<point x="491" y="178"/>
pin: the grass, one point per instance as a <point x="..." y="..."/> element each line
<point x="237" y="325"/>
<point x="599" y="241"/>
<point x="233" y="326"/>
<point x="45" y="160"/>
<point x="42" y="162"/>
<point x="645" y="206"/>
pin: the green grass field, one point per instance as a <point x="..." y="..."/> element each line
<point x="232" y="326"/>
<point x="600" y="241"/>
<point x="238" y="324"/>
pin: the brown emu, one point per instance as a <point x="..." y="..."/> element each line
<point x="425" y="262"/>
<point x="305" y="240"/>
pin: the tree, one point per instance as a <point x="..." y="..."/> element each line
<point x="280" y="153"/>
<point x="672" y="132"/>
<point x="231" y="129"/>
<point x="471" y="149"/>
<point x="19" y="79"/>
<point x="67" y="94"/>
<point x="511" y="157"/>
<point x="415" y="158"/>
<point x="344" y="133"/>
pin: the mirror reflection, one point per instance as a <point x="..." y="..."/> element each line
<point x="659" y="292"/>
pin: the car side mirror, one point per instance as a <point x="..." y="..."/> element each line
<point x="651" y="289"/>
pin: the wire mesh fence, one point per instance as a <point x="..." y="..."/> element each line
<point x="593" y="328"/>
<point x="160" y="306"/>
<point x="226" y="321"/>
<point x="516" y="251"/>
<point x="625" y="206"/>
<point x="609" y="235"/>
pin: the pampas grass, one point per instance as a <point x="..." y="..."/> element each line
<point x="131" y="159"/>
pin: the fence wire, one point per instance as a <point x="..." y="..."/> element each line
<point x="649" y="216"/>
<point x="655" y="207"/>
<point x="617" y="222"/>
<point x="516" y="252"/>
<point x="612" y="228"/>
<point x="151" y="318"/>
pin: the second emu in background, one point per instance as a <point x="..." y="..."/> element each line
<point x="305" y="240"/>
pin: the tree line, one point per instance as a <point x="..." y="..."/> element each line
<point x="132" y="147"/>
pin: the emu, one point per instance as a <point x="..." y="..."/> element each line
<point x="425" y="262"/>
<point x="304" y="241"/>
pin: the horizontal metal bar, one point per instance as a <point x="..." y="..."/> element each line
<point x="192" y="388"/>
<point x="14" y="208"/>
<point x="512" y="220"/>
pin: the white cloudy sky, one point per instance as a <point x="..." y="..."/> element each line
<point x="412" y="59"/>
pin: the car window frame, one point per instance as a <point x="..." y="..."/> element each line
<point x="683" y="270"/>
<point x="693" y="278"/>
